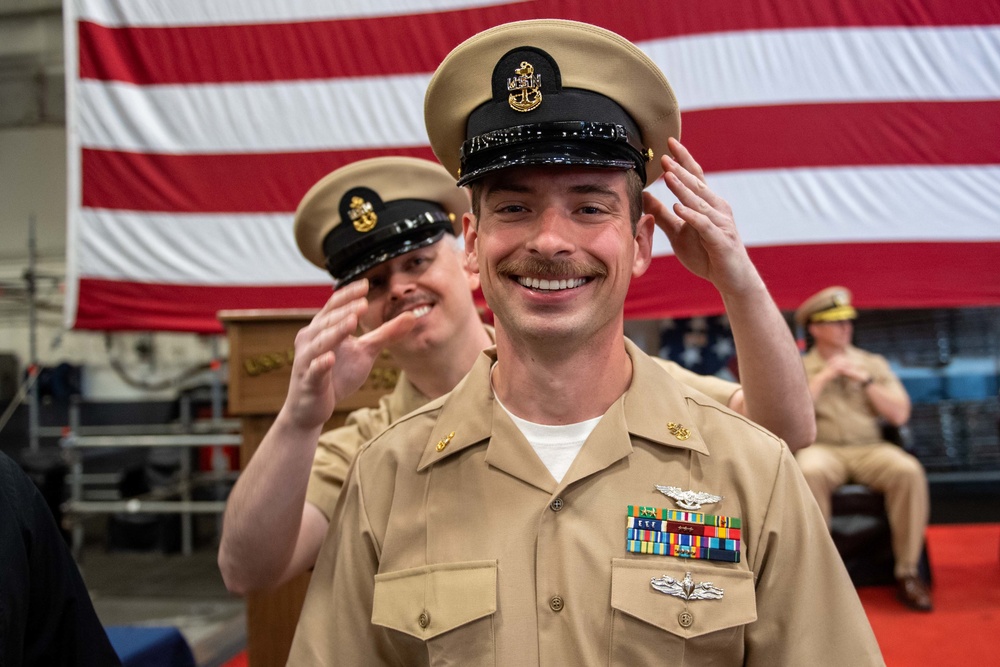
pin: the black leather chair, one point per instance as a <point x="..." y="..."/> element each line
<point x="860" y="529"/>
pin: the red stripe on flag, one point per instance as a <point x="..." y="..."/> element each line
<point x="418" y="43"/>
<point x="886" y="275"/>
<point x="232" y="183"/>
<point x="110" y="305"/>
<point x="821" y="135"/>
<point x="772" y="137"/>
<point x="881" y="275"/>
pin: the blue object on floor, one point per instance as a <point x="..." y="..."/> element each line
<point x="150" y="647"/>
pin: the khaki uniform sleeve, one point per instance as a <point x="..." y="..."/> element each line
<point x="713" y="387"/>
<point x="335" y="453"/>
<point x="335" y="625"/>
<point x="790" y="602"/>
<point x="879" y="368"/>
<point x="337" y="448"/>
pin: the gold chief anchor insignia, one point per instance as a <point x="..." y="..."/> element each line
<point x="443" y="442"/>
<point x="526" y="94"/>
<point x="678" y="431"/>
<point x="362" y="214"/>
<point x="688" y="500"/>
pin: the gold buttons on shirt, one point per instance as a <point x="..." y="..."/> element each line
<point x="424" y="619"/>
<point x="556" y="603"/>
<point x="685" y="618"/>
<point x="556" y="505"/>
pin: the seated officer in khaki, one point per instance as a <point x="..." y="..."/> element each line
<point x="854" y="392"/>
<point x="400" y="275"/>
<point x="569" y="502"/>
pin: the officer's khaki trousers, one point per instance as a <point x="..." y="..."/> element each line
<point x="886" y="468"/>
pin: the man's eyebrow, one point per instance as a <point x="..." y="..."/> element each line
<point x="517" y="187"/>
<point x="508" y="187"/>
<point x="594" y="189"/>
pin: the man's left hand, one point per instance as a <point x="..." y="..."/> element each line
<point x="700" y="226"/>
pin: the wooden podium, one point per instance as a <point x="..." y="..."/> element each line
<point x="261" y="350"/>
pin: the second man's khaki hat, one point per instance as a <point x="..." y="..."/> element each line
<point x="371" y="211"/>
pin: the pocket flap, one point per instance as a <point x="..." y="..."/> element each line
<point x="632" y="593"/>
<point x="427" y="601"/>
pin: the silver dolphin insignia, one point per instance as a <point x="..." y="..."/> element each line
<point x="689" y="500"/>
<point x="686" y="588"/>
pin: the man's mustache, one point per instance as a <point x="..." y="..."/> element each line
<point x="534" y="267"/>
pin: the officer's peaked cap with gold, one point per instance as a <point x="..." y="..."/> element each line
<point x="549" y="91"/>
<point x="832" y="304"/>
<point x="371" y="211"/>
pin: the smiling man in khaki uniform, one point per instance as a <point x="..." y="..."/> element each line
<point x="519" y="519"/>
<point x="384" y="229"/>
<point x="854" y="392"/>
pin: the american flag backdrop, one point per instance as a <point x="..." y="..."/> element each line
<point x="858" y="141"/>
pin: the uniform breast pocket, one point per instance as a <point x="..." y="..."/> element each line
<point x="448" y="606"/>
<point x="695" y="615"/>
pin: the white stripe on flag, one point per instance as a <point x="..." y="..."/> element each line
<point x="251" y="118"/>
<point x="775" y="67"/>
<point x="193" y="249"/>
<point x="873" y="204"/>
<point x="831" y="65"/>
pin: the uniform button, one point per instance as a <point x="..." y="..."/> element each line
<point x="424" y="619"/>
<point x="556" y="504"/>
<point x="556" y="603"/>
<point x="685" y="618"/>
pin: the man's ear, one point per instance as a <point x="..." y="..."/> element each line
<point x="471" y="254"/>
<point x="643" y="245"/>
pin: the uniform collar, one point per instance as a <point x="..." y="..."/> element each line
<point x="406" y="396"/>
<point x="653" y="402"/>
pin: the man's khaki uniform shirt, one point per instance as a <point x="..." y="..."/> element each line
<point x="844" y="415"/>
<point x="457" y="547"/>
<point x="338" y="447"/>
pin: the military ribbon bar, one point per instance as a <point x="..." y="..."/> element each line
<point x="683" y="528"/>
<point x="644" y="512"/>
<point x="681" y="551"/>
<point x="683" y="540"/>
<point x="666" y="532"/>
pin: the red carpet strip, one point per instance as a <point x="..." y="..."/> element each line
<point x="964" y="628"/>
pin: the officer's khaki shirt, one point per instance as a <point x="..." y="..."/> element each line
<point x="457" y="547"/>
<point x="338" y="447"/>
<point x="844" y="415"/>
